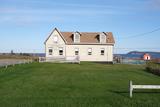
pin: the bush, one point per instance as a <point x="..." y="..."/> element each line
<point x="153" y="67"/>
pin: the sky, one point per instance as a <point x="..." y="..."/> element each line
<point x="25" y="24"/>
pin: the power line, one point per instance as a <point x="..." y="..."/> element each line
<point x="137" y="48"/>
<point x="142" y="34"/>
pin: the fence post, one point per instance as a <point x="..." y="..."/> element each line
<point x="130" y="89"/>
<point x="39" y="59"/>
<point x="6" y="66"/>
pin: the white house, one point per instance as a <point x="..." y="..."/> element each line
<point x="87" y="46"/>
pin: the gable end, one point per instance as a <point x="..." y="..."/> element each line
<point x="55" y="29"/>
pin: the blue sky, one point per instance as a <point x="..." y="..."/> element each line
<point x="25" y="24"/>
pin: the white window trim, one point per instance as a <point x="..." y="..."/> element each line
<point x="76" y="49"/>
<point x="61" y="49"/>
<point x="55" y="39"/>
<point x="102" y="49"/>
<point x="89" y="51"/>
<point x="49" y="50"/>
<point x="101" y="38"/>
<point x="76" y="37"/>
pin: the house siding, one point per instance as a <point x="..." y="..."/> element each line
<point x="69" y="49"/>
<point x="96" y="52"/>
<point x="55" y="46"/>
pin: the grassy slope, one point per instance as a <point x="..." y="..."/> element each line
<point x="73" y="85"/>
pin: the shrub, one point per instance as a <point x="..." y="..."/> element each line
<point x="153" y="67"/>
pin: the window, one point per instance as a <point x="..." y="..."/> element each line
<point x="60" y="51"/>
<point x="102" y="38"/>
<point x="50" y="51"/>
<point x="76" y="51"/>
<point x="76" y="37"/>
<point x="102" y="51"/>
<point x="89" y="51"/>
<point x="55" y="39"/>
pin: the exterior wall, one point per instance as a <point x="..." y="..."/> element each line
<point x="55" y="46"/>
<point x="96" y="52"/>
<point x="69" y="50"/>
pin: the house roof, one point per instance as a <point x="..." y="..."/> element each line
<point x="86" y="37"/>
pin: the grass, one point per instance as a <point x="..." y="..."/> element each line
<point x="73" y="85"/>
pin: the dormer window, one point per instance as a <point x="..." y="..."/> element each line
<point x="76" y="37"/>
<point x="102" y="38"/>
<point x="55" y="38"/>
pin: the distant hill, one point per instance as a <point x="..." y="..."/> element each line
<point x="26" y="54"/>
<point x="139" y="55"/>
<point x="39" y="54"/>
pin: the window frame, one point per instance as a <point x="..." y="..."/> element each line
<point x="102" y="51"/>
<point x="61" y="51"/>
<point x="55" y="38"/>
<point x="50" y="51"/>
<point x="102" y="38"/>
<point x="76" y="37"/>
<point x="89" y="51"/>
<point x="76" y="51"/>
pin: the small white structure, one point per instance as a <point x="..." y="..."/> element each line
<point x="141" y="87"/>
<point x="86" y="46"/>
<point x="146" y="57"/>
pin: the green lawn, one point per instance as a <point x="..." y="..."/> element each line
<point x="74" y="85"/>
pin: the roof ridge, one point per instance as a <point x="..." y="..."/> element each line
<point x="84" y="32"/>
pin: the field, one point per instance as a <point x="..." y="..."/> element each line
<point x="76" y="85"/>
